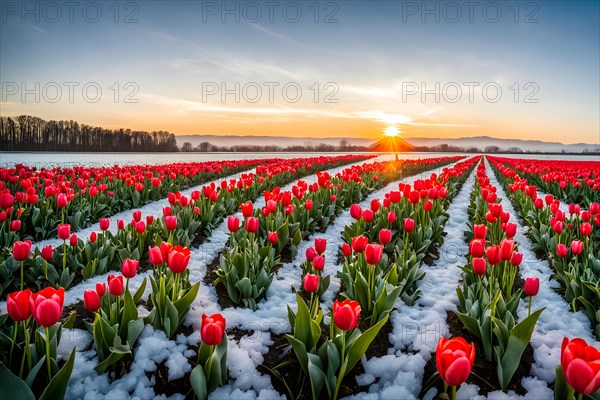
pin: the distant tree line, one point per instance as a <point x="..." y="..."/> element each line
<point x="206" y="147"/>
<point x="28" y="133"/>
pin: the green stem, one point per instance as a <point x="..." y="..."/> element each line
<point x="46" y="269"/>
<point x="453" y="392"/>
<point x="529" y="312"/>
<point x="64" y="254"/>
<point x="22" y="275"/>
<point x="12" y="345"/>
<point x="48" y="354"/>
<point x="338" y="383"/>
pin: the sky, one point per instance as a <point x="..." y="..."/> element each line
<point x="524" y="70"/>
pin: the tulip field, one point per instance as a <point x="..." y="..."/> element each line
<point x="330" y="277"/>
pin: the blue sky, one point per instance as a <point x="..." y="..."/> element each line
<point x="373" y="58"/>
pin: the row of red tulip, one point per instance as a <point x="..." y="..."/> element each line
<point x="572" y="181"/>
<point x="40" y="200"/>
<point x="568" y="241"/>
<point x="184" y="220"/>
<point x="371" y="282"/>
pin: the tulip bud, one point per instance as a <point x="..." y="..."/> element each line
<point x="531" y="287"/>
<point x="101" y="289"/>
<point x="273" y="237"/>
<point x="212" y="329"/>
<point x="74" y="240"/>
<point x="355" y="211"/>
<point x="318" y="263"/>
<point x="359" y="243"/>
<point x="409" y="225"/>
<point x="391" y="217"/>
<point x="104" y="224"/>
<point x="47" y="253"/>
<point x="516" y="259"/>
<point x="64" y="231"/>
<point x="252" y="224"/>
<point x="91" y="300"/>
<point x="479" y="231"/>
<point x="233" y="224"/>
<point x="115" y="285"/>
<point x="479" y="266"/>
<point x="129" y="268"/>
<point x="373" y="253"/>
<point x="320" y="245"/>
<point x="311" y="283"/>
<point x="171" y="222"/>
<point x="561" y="250"/>
<point x="311" y="253"/>
<point x="346" y="250"/>
<point x="576" y="247"/>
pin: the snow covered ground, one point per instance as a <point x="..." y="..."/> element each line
<point x="417" y="328"/>
<point x="550" y="330"/>
<point x="243" y="356"/>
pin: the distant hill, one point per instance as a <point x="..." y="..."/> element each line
<point x="480" y="142"/>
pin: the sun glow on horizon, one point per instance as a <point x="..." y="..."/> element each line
<point x="391" y="130"/>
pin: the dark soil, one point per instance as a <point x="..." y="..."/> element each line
<point x="281" y="352"/>
<point x="483" y="373"/>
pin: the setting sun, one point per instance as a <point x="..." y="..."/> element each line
<point x="391" y="130"/>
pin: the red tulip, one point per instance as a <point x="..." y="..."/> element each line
<point x="385" y="236"/>
<point x="346" y="250"/>
<point x="129" y="267"/>
<point x="213" y="329"/>
<point x="516" y="259"/>
<point x="311" y="253"/>
<point x="21" y="250"/>
<point x="115" y="285"/>
<point x="359" y="243"/>
<point x="61" y="200"/>
<point x="428" y="205"/>
<point x="454" y="359"/>
<point x="368" y="215"/>
<point x="137" y="215"/>
<point x="311" y="283"/>
<point x="165" y="249"/>
<point x="320" y="245"/>
<point x="395" y="196"/>
<point x="120" y="224"/>
<point x="346" y="314"/>
<point x="101" y="289"/>
<point x="64" y="231"/>
<point x="581" y="365"/>
<point x="373" y="253"/>
<point x="477" y="247"/>
<point x="493" y="254"/>
<point x="510" y="229"/>
<point x="308" y="204"/>
<point x="532" y="286"/>
<point x="391" y="217"/>
<point x="375" y="205"/>
<point x="538" y="203"/>
<point x="355" y="211"/>
<point x="557" y="227"/>
<point x="585" y="228"/>
<point x="479" y="231"/>
<point x="140" y="227"/>
<point x="104" y="224"/>
<point x="479" y="266"/>
<point x="576" y="247"/>
<point x="409" y="225"/>
<point x="233" y="224"/>
<point x="561" y="250"/>
<point x="91" y="300"/>
<point x="46" y="306"/>
<point x="155" y="256"/>
<point x="495" y="209"/>
<point x="318" y="263"/>
<point x="273" y="237"/>
<point x="47" y="253"/>
<point x="171" y="222"/>
<point x="167" y="211"/>
<point x="178" y="259"/>
<point x="15" y="225"/>
<point x="73" y="240"/>
<point x="506" y="249"/>
<point x="247" y="209"/>
<point x="17" y="305"/>
<point x="252" y="224"/>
